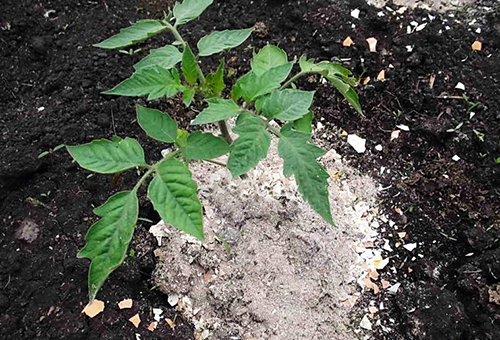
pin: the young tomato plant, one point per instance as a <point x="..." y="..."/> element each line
<point x="257" y="98"/>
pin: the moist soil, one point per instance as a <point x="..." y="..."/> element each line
<point x="50" y="88"/>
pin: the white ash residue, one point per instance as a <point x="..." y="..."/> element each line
<point x="270" y="267"/>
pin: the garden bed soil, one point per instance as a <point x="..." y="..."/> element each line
<point x="50" y="88"/>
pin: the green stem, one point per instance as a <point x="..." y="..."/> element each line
<point x="152" y="168"/>
<point x="177" y="36"/>
<point x="225" y="131"/>
<point x="291" y="80"/>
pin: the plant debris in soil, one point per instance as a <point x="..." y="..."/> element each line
<point x="432" y="151"/>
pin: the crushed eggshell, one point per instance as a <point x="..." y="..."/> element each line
<point x="403" y="127"/>
<point x="355" y="13"/>
<point x="381" y="75"/>
<point x="420" y="27"/>
<point x="365" y="323"/>
<point x="378" y="147"/>
<point x="93" y="308"/>
<point x="371" y="285"/>
<point x="402" y="234"/>
<point x="344" y="133"/>
<point x="380" y="264"/>
<point x="152" y="326"/>
<point x="135" y="320"/>
<point x="394" y="288"/>
<point x="373" y="310"/>
<point x="372" y="43"/>
<point x="398" y="211"/>
<point x="385" y="284"/>
<point x="477" y="45"/>
<point x="170" y="323"/>
<point x="395" y="134"/>
<point x="460" y="86"/>
<point x="410" y="246"/>
<point x="456" y="158"/>
<point x="374" y="274"/>
<point x="358" y="143"/>
<point x="366" y="80"/>
<point x="127" y="303"/>
<point x="347" y="42"/>
<point x="173" y="299"/>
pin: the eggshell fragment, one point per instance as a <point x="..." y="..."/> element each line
<point x="372" y="43"/>
<point x="135" y="320"/>
<point x="366" y="80"/>
<point x="347" y="42"/>
<point x="381" y="75"/>
<point x="93" y="308"/>
<point x="170" y="323"/>
<point x="152" y="326"/>
<point x="477" y="45"/>
<point x="127" y="303"/>
<point x="385" y="284"/>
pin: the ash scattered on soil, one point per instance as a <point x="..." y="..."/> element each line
<point x="270" y="267"/>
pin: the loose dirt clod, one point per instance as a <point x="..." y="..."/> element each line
<point x="274" y="265"/>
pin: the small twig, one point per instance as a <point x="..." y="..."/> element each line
<point x="450" y="97"/>
<point x="215" y="162"/>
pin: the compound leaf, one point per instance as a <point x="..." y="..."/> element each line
<point x="250" y="147"/>
<point x="108" y="157"/>
<point x="188" y="95"/>
<point x="189" y="10"/>
<point x="189" y="66"/>
<point x="215" y="81"/>
<point x="218" y="41"/>
<point x="268" y="57"/>
<point x="173" y="193"/>
<point x="154" y="81"/>
<point x="304" y="124"/>
<point x="204" y="146"/>
<point x="166" y="57"/>
<point x="157" y="124"/>
<point x="251" y="86"/>
<point x="300" y="160"/>
<point x="218" y="109"/>
<point x="108" y="238"/>
<point x="139" y="31"/>
<point x="287" y="104"/>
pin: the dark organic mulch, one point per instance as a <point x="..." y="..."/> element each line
<point x="451" y="209"/>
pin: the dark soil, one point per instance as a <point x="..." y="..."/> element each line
<point x="451" y="209"/>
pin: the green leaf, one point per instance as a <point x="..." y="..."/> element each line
<point x="139" y="31"/>
<point x="287" y="104"/>
<point x="300" y="160"/>
<point x="108" y="238"/>
<point x="173" y="194"/>
<point x="189" y="10"/>
<point x="218" y="109"/>
<point x="157" y="124"/>
<point x="251" y="86"/>
<point x="218" y="41"/>
<point x="304" y="124"/>
<point x="347" y="91"/>
<point x="166" y="57"/>
<point x="268" y="57"/>
<point x="340" y="77"/>
<point x="188" y="95"/>
<point x="108" y="157"/>
<point x="154" y="81"/>
<point x="189" y="66"/>
<point x="215" y="81"/>
<point x="204" y="146"/>
<point x="250" y="147"/>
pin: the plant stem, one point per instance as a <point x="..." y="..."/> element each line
<point x="176" y="34"/>
<point x="143" y="178"/>
<point x="152" y="168"/>
<point x="291" y="80"/>
<point x="225" y="131"/>
<point x="215" y="162"/>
